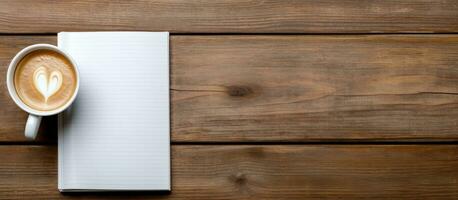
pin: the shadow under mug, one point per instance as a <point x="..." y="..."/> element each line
<point x="34" y="119"/>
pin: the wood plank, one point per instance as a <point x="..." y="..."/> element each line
<point x="235" y="16"/>
<point x="263" y="172"/>
<point x="296" y="88"/>
<point x="309" y="88"/>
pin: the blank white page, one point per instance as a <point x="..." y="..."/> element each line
<point x="116" y="135"/>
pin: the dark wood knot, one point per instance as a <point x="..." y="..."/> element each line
<point x="239" y="91"/>
<point x="239" y="178"/>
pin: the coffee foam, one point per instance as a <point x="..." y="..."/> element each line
<point x="47" y="83"/>
<point x="45" y="80"/>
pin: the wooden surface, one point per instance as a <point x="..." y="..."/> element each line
<point x="270" y="99"/>
<point x="296" y="88"/>
<point x="263" y="172"/>
<point x="234" y="16"/>
<point x="308" y="88"/>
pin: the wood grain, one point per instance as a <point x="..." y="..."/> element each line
<point x="234" y="16"/>
<point x="295" y="88"/>
<point x="263" y="172"/>
<point x="310" y="88"/>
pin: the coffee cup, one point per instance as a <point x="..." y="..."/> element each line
<point x="42" y="80"/>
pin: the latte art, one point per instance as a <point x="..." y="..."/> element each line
<point x="47" y="83"/>
<point x="45" y="80"/>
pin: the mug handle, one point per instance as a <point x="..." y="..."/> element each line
<point x="31" y="127"/>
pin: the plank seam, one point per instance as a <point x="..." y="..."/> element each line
<point x="268" y="143"/>
<point x="255" y="34"/>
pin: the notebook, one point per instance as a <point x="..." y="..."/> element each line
<point x="116" y="135"/>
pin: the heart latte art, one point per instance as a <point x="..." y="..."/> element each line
<point x="47" y="83"/>
<point x="45" y="80"/>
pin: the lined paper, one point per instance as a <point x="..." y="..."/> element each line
<point x="116" y="135"/>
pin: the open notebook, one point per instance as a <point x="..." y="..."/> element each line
<point x="116" y="136"/>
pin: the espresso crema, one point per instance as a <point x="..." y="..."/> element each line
<point x="45" y="80"/>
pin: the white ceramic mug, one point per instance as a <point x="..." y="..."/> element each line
<point x="33" y="122"/>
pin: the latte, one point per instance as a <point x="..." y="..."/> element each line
<point x="45" y="80"/>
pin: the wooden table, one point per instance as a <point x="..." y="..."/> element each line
<point x="270" y="99"/>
